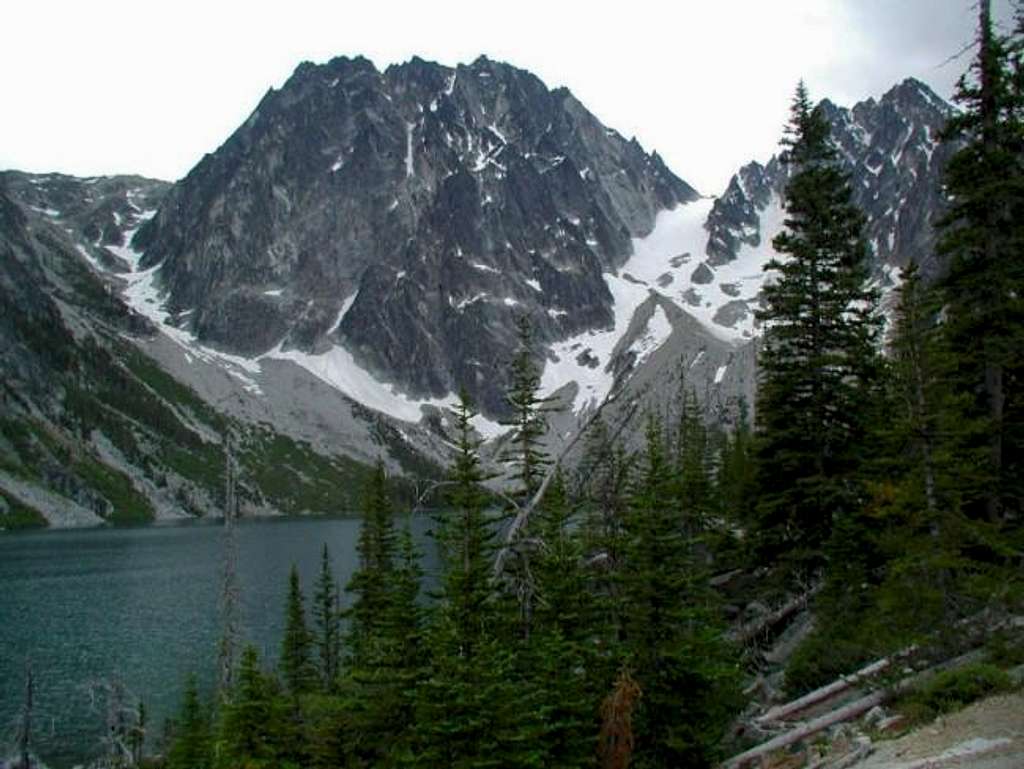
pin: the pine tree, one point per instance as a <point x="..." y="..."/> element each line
<point x="460" y="703"/>
<point x="466" y="538"/>
<point x="561" y="661"/>
<point x="674" y="640"/>
<point x="296" y="661"/>
<point x="983" y="234"/>
<point x="191" y="746"/>
<point x="695" y="488"/>
<point x="736" y="480"/>
<point x="247" y="721"/>
<point x="528" y="422"/>
<point x="928" y="433"/>
<point x="818" y="361"/>
<point x="371" y="583"/>
<point x="606" y="471"/>
<point x="529" y="465"/>
<point x="327" y="623"/>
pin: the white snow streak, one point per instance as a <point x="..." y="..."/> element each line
<point x="409" y="170"/>
<point x="675" y="232"/>
<point x="658" y="330"/>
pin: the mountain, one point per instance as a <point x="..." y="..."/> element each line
<point x="320" y="285"/>
<point x="894" y="157"/>
<point x="704" y="264"/>
<point x="396" y="222"/>
<point x="92" y="428"/>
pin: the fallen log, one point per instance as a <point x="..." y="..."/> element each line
<point x="825" y="693"/>
<point x="757" y="627"/>
<point x="802" y="732"/>
<point x="845" y="713"/>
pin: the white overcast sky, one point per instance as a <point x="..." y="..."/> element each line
<point x="106" y="86"/>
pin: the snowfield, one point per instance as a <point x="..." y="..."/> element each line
<point x="662" y="264"/>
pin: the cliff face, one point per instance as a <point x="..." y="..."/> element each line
<point x="406" y="216"/>
<point x="890" y="149"/>
<point x="359" y="249"/>
<point x="92" y="429"/>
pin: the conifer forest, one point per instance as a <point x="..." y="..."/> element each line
<point x="585" y="616"/>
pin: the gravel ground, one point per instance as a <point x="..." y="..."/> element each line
<point x="986" y="735"/>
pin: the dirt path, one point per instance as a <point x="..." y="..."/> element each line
<point x="986" y="735"/>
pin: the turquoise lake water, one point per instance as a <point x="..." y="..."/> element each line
<point x="140" y="605"/>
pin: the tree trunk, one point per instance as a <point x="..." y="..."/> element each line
<point x="993" y="366"/>
<point x="25" y="728"/>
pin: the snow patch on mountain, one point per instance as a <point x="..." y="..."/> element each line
<point x="585" y="358"/>
<point x="337" y="367"/>
<point x="658" y="329"/>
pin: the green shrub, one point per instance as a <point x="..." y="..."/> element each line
<point x="824" y="655"/>
<point x="15" y="515"/>
<point x="952" y="690"/>
<point x="1006" y="649"/>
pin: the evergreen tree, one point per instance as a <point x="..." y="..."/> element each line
<point x="373" y="580"/>
<point x="929" y="433"/>
<point x="296" y="647"/>
<point x="983" y="234"/>
<point x="674" y="640"/>
<point x="818" y="361"/>
<point x="256" y="728"/>
<point x="463" y="701"/>
<point x="606" y="472"/>
<point x="191" y="746"/>
<point x="529" y="467"/>
<point x="327" y="623"/>
<point x="563" y="667"/>
<point x="466" y="539"/>
<point x="528" y="422"/>
<point x="736" y="480"/>
<point x="695" y="487"/>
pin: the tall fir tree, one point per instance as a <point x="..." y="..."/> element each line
<point x="695" y="488"/>
<point x="371" y="583"/>
<point x="529" y="464"/>
<point x="818" y="361"/>
<point x="248" y="723"/>
<point x="327" y="623"/>
<point x="983" y="234"/>
<point x="190" y="748"/>
<point x="674" y="641"/>
<point x="466" y="538"/>
<point x="296" y="660"/>
<point x="930" y="461"/>
<point x="465" y="705"/>
<point x="524" y="451"/>
<point x="563" y="666"/>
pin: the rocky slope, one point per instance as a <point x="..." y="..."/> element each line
<point x="891" y="150"/>
<point x="92" y="429"/>
<point x="704" y="265"/>
<point x="359" y="247"/>
<point x="404" y="217"/>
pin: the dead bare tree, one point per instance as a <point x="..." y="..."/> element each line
<point x="616" y="740"/>
<point x="524" y="511"/>
<point x="229" y="593"/>
<point x="124" y="720"/>
<point x="24" y="737"/>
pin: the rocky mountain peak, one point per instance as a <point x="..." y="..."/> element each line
<point x="406" y="217"/>
<point x="891" y="149"/>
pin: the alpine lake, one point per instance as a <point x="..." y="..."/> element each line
<point x="139" y="608"/>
